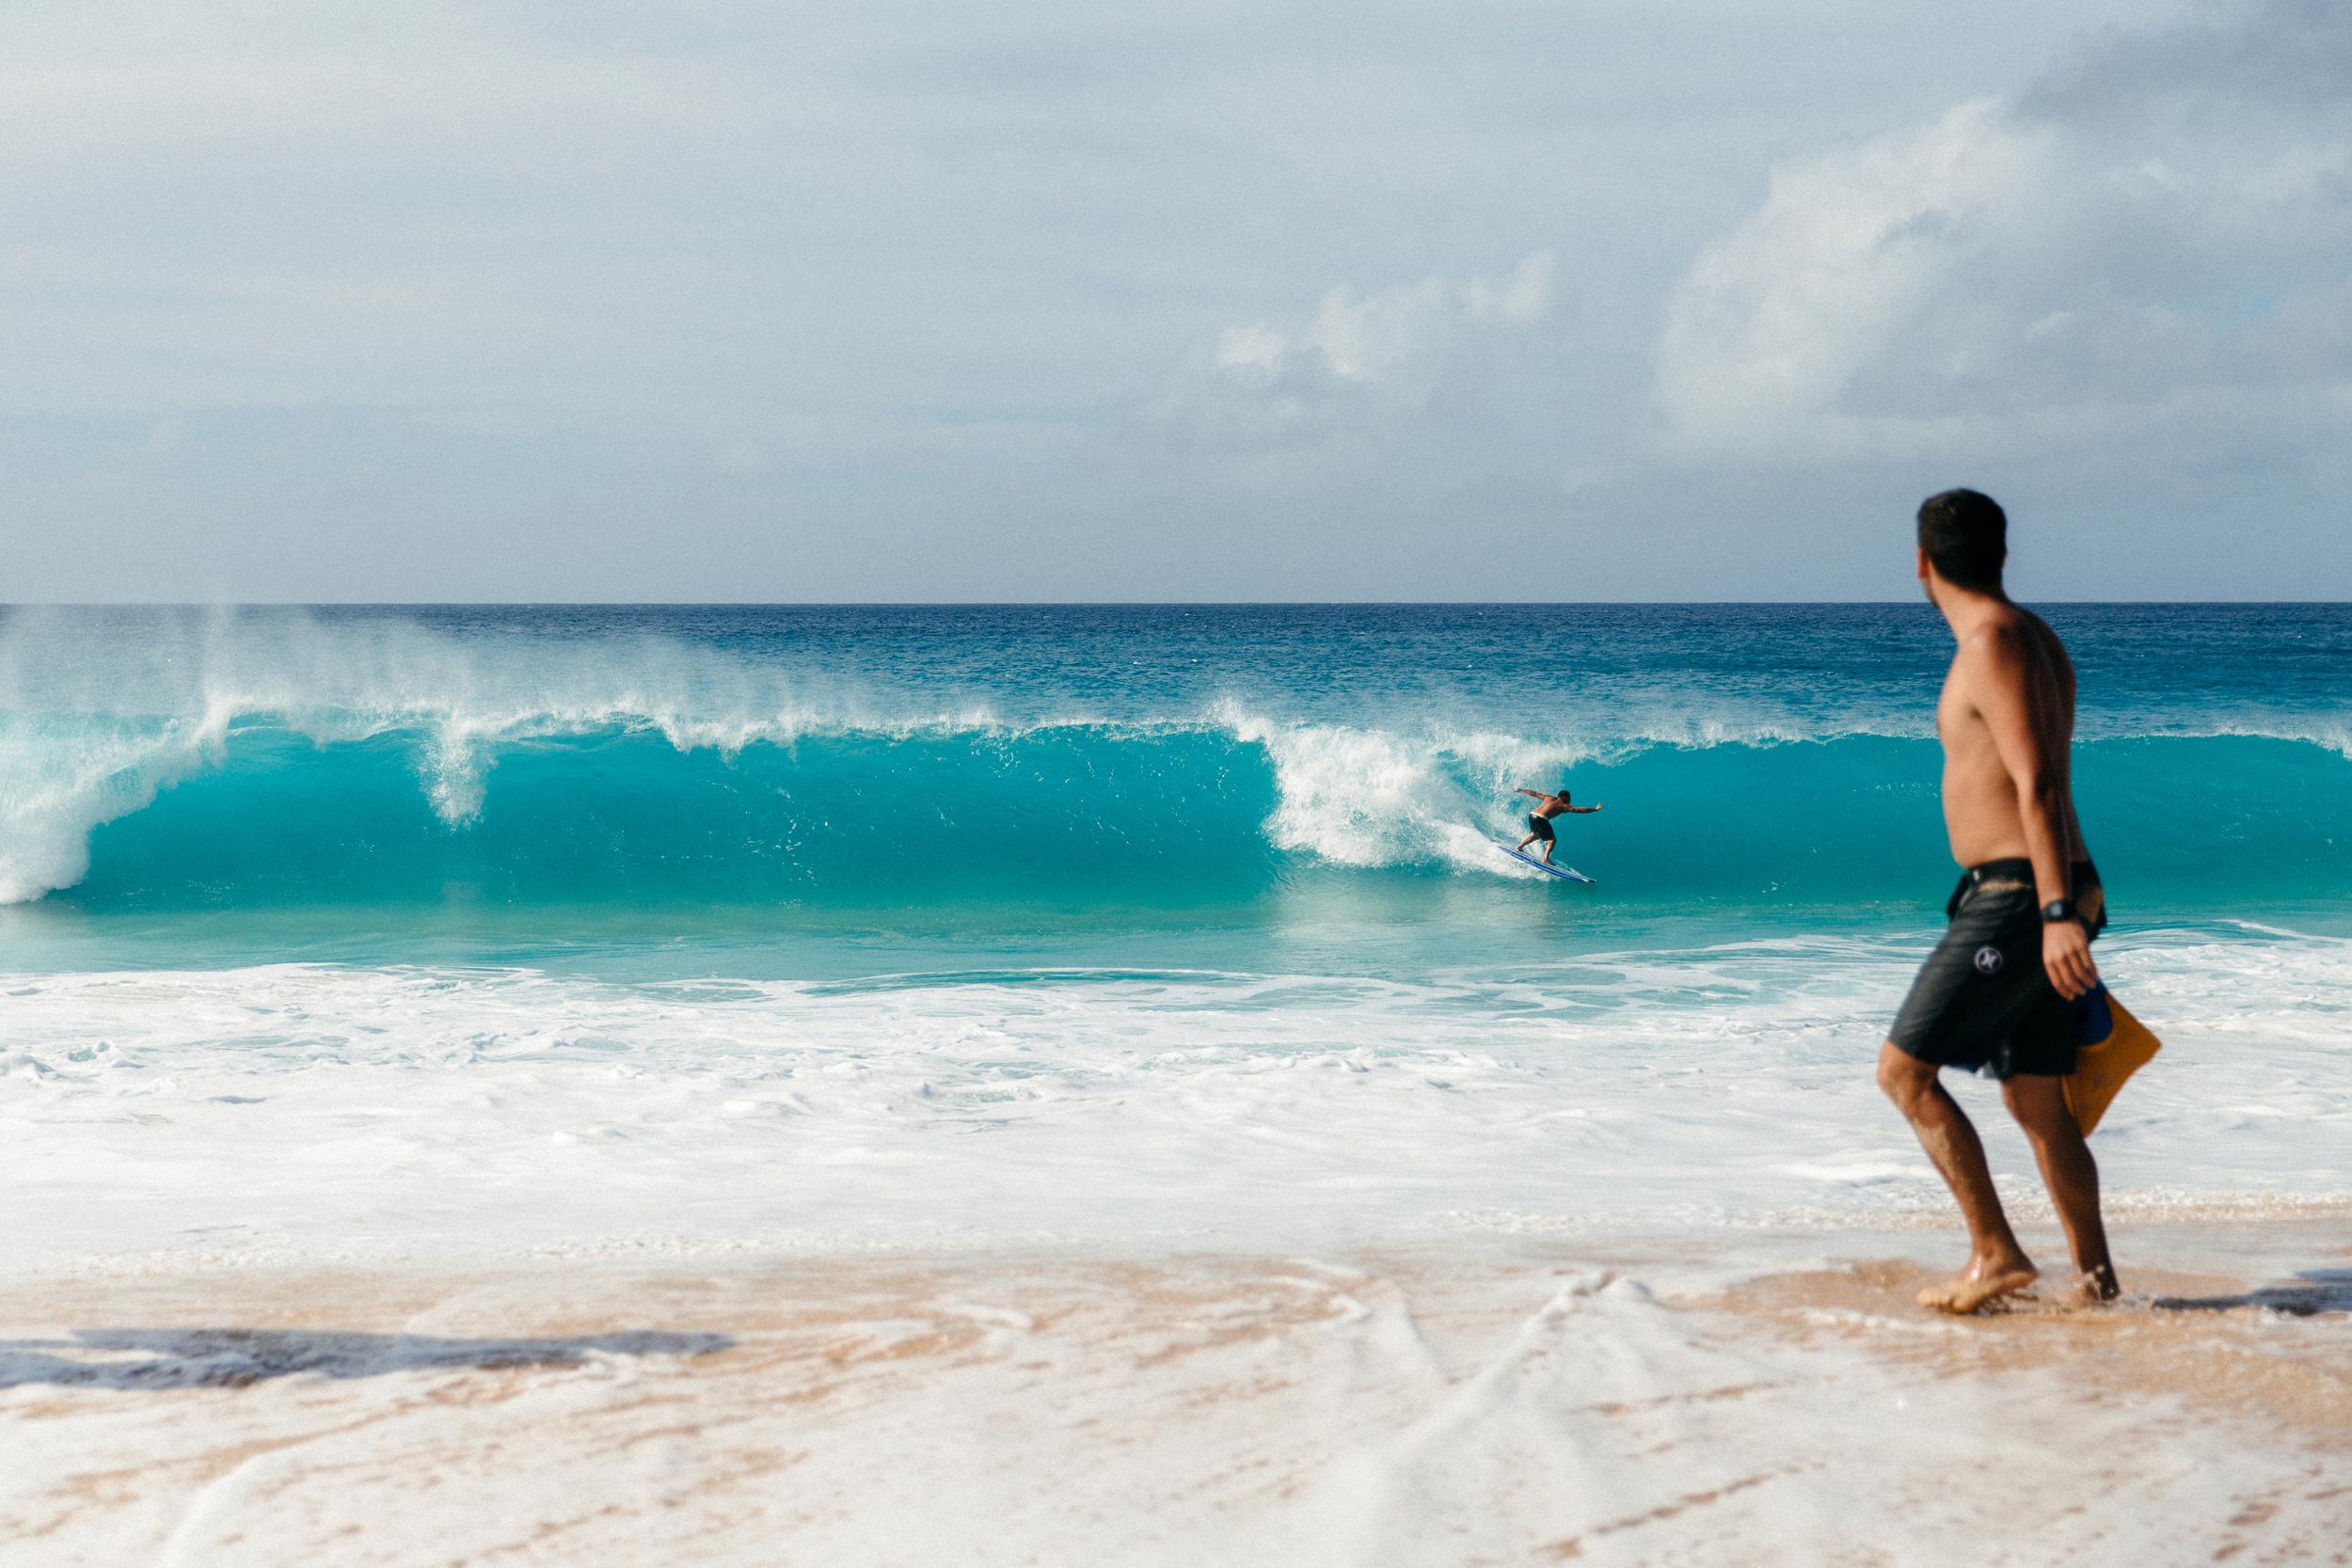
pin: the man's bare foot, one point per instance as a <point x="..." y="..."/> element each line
<point x="2094" y="1288"/>
<point x="1980" y="1286"/>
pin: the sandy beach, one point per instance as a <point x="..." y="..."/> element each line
<point x="1495" y="1401"/>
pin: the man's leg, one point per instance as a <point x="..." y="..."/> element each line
<point x="1525" y="842"/>
<point x="2039" y="1103"/>
<point x="1997" y="1266"/>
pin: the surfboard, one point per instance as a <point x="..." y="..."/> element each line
<point x="2112" y="1045"/>
<point x="1565" y="873"/>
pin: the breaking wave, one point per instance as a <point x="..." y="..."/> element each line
<point x="225" y="759"/>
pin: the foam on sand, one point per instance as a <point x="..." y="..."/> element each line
<point x="1435" y="1408"/>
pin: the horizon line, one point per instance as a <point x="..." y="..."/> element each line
<point x="1079" y="604"/>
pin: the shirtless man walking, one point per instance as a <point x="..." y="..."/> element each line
<point x="1996" y="993"/>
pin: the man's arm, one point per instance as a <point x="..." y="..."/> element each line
<point x="2003" y="692"/>
<point x="1532" y="794"/>
<point x="1579" y="810"/>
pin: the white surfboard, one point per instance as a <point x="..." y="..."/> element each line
<point x="1565" y="873"/>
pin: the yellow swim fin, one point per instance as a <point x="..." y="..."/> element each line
<point x="2101" y="1065"/>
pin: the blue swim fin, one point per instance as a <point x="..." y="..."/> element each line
<point x="2093" y="1020"/>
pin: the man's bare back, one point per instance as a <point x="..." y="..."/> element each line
<point x="1980" y="806"/>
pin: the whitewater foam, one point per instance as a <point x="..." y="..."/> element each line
<point x="410" y="1108"/>
<point x="1361" y="797"/>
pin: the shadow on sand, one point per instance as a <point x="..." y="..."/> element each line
<point x="2320" y="1291"/>
<point x="141" y="1359"/>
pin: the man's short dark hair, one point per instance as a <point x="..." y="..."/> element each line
<point x="1965" y="535"/>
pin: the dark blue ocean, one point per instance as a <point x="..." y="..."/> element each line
<point x="827" y="790"/>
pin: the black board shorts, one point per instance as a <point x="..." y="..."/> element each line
<point x="1541" y="827"/>
<point x="1982" y="1000"/>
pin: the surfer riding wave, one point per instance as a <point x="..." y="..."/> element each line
<point x="1548" y="805"/>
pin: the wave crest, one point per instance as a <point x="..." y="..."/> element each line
<point x="1364" y="797"/>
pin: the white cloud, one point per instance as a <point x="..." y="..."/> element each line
<point x="2079" y="271"/>
<point x="1382" y="337"/>
<point x="1358" y="363"/>
<point x="1775" y="323"/>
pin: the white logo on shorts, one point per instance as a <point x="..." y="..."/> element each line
<point x="1988" y="960"/>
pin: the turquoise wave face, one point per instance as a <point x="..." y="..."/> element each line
<point x="1093" y="816"/>
<point x="627" y="817"/>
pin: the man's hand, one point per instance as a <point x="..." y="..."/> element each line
<point x="2066" y="953"/>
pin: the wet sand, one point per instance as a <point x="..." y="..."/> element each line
<point x="1497" y="1401"/>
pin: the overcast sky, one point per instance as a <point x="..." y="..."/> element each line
<point x="1044" y="299"/>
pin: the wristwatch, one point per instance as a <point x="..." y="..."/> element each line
<point x="2057" y="909"/>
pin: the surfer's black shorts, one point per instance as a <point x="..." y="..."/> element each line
<point x="1541" y="827"/>
<point x="1982" y="1000"/>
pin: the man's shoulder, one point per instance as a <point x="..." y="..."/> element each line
<point x="1995" y="655"/>
<point x="2017" y="641"/>
<point x="2004" y="638"/>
